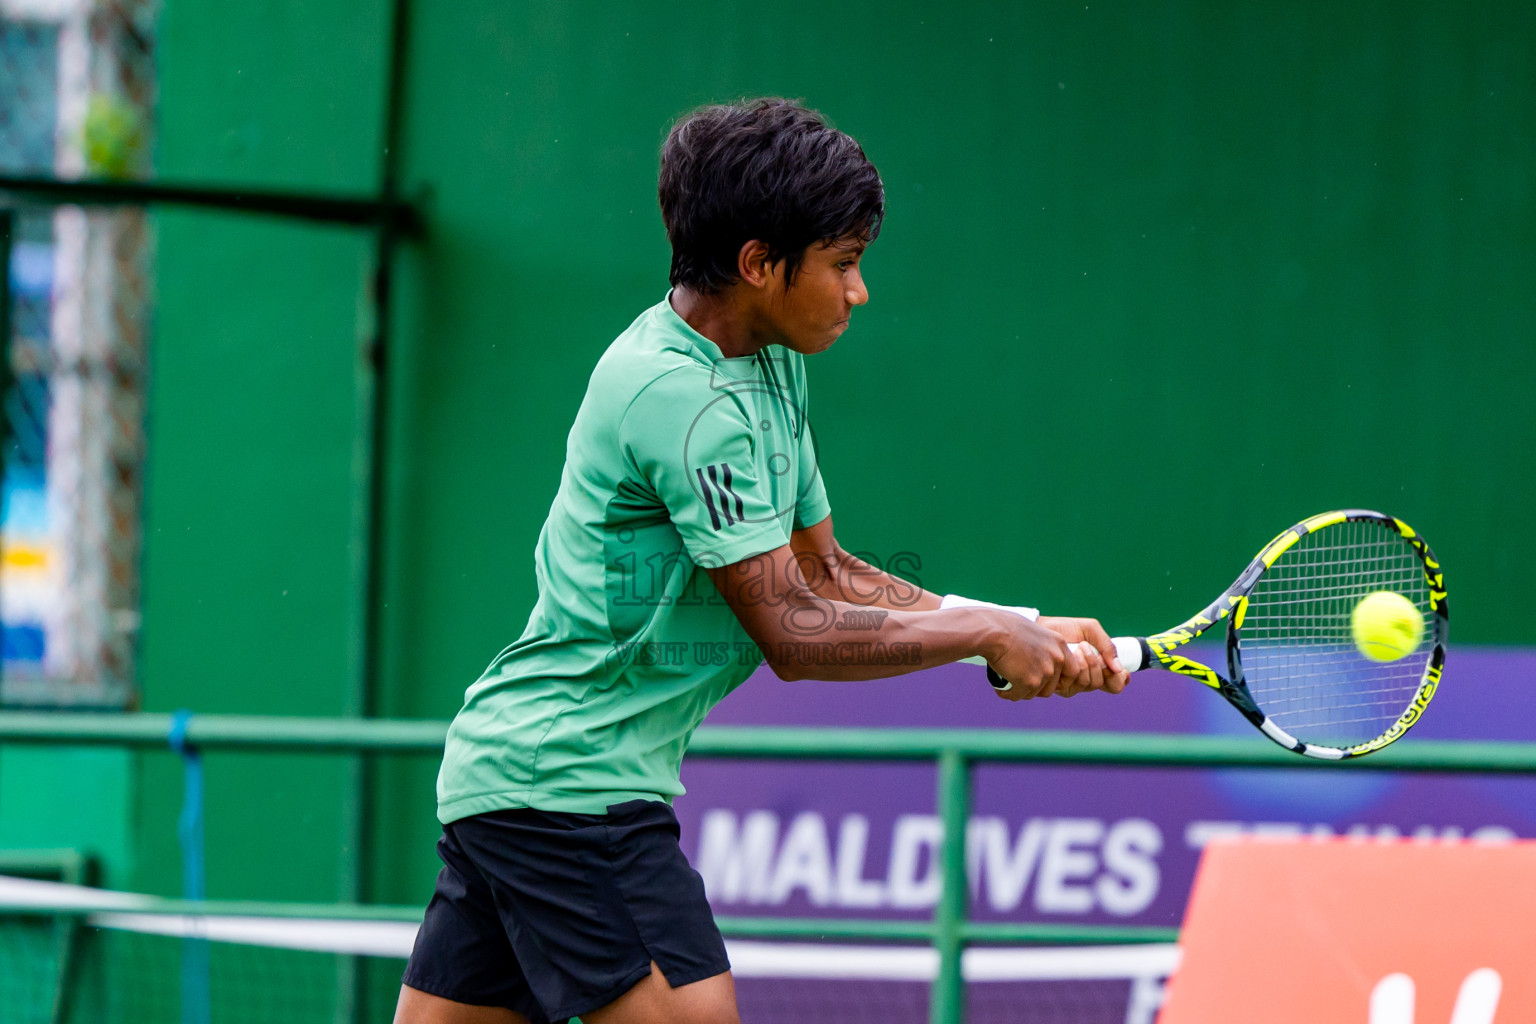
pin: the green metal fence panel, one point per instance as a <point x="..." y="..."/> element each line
<point x="405" y="736"/>
<point x="955" y="753"/>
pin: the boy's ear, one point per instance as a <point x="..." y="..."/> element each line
<point x="752" y="264"/>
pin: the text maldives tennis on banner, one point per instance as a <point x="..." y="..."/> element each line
<point x="1062" y="866"/>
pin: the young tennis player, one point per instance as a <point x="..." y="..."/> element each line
<point x="690" y="540"/>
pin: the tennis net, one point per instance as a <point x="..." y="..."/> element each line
<point x="73" y="954"/>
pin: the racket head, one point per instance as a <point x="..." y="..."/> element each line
<point x="1291" y="651"/>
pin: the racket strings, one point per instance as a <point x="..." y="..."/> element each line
<point x="1297" y="647"/>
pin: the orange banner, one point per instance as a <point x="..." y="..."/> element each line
<point x="1341" y="931"/>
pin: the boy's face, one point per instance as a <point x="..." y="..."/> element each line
<point x="813" y="311"/>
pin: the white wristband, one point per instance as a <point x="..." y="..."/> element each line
<point x="956" y="601"/>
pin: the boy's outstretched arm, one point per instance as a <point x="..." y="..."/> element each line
<point x="804" y="635"/>
<point x="832" y="573"/>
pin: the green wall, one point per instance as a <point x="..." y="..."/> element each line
<point x="1156" y="281"/>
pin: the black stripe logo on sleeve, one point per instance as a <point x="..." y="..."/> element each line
<point x="720" y="497"/>
<point x="709" y="502"/>
<point x="741" y="512"/>
<point x="723" y="493"/>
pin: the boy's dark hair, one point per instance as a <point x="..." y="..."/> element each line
<point x="765" y="169"/>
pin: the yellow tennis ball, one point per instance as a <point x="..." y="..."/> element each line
<point x="1386" y="626"/>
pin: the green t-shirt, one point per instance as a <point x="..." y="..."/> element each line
<point x="678" y="458"/>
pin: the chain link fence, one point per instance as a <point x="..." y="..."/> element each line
<point x="76" y="98"/>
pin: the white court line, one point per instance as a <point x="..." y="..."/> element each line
<point x="749" y="958"/>
<point x="921" y="963"/>
<point x="29" y="892"/>
<point x="349" y="938"/>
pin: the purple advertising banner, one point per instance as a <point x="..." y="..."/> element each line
<point x="1054" y="844"/>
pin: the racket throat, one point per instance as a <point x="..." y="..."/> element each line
<point x="1235" y="689"/>
<point x="1236" y="693"/>
<point x="1238" y="696"/>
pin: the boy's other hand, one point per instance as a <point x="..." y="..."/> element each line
<point x="1089" y="633"/>
<point x="1058" y="657"/>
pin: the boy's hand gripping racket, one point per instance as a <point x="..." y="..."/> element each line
<point x="1321" y="656"/>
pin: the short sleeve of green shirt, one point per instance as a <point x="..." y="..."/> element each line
<point x="698" y="445"/>
<point x="811" y="507"/>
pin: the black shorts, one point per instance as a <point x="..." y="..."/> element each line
<point x="554" y="915"/>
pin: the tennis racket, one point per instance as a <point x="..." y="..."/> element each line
<point x="1293" y="668"/>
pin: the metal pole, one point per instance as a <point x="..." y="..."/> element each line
<point x="354" y="211"/>
<point x="370" y="504"/>
<point x="999" y="746"/>
<point x="947" y="997"/>
<point x="196" y="985"/>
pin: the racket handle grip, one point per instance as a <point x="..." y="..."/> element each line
<point x="1129" y="649"/>
<point x="1132" y="652"/>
